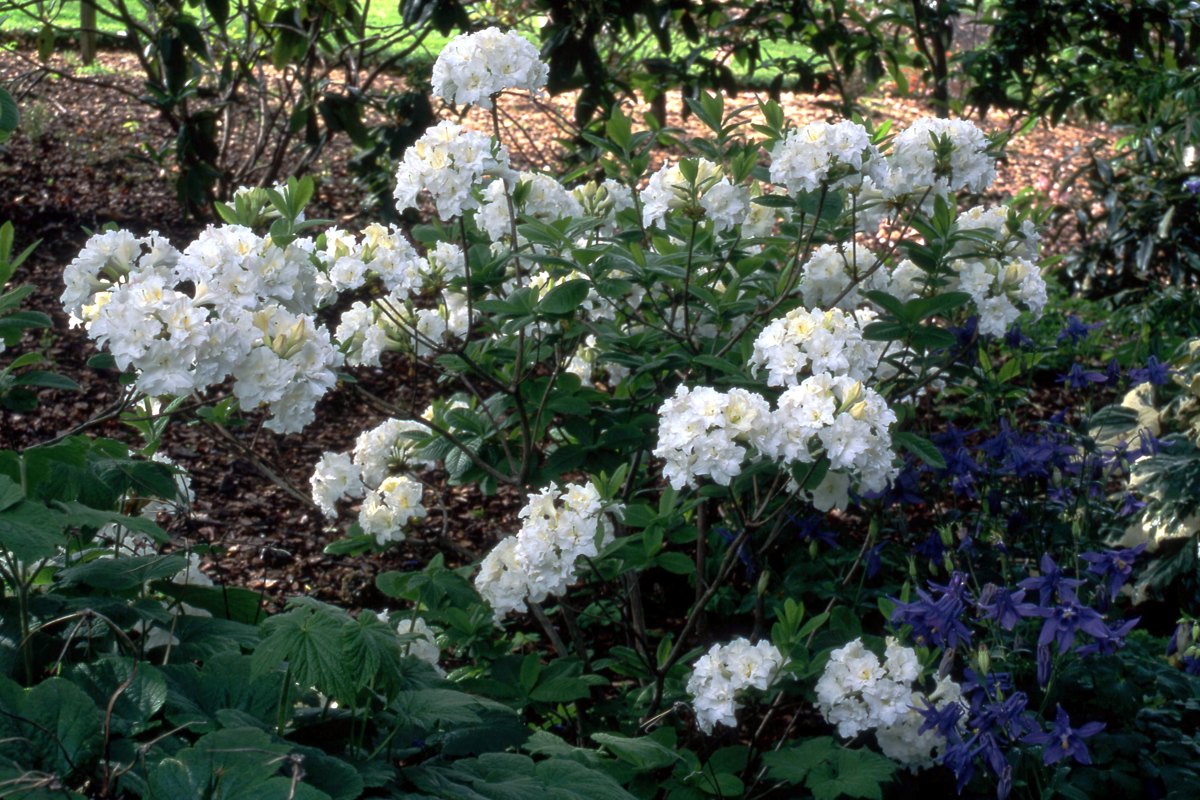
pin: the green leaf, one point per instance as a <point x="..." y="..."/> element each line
<point x="852" y="773"/>
<point x="564" y="298"/>
<point x="123" y="574"/>
<point x="81" y="516"/>
<point x="562" y="689"/>
<point x="676" y="563"/>
<point x="792" y="765"/>
<point x="61" y="726"/>
<point x="223" y="602"/>
<point x="642" y="753"/>
<point x="10" y="115"/>
<point x="31" y="531"/>
<point x="920" y="447"/>
<point x="570" y="780"/>
<point x="138" y="689"/>
<point x="10" y="492"/>
<point x="309" y="638"/>
<point x="48" y="380"/>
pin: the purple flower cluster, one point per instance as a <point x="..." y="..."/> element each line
<point x="1068" y="606"/>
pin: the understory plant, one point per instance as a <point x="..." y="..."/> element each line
<point x="753" y="555"/>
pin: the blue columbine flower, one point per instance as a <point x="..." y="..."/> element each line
<point x="1005" y="606"/>
<point x="1015" y="339"/>
<point x="1113" y="566"/>
<point x="1155" y="373"/>
<point x="1192" y="185"/>
<point x="1053" y="582"/>
<point x="1063" y="740"/>
<point x="937" y="621"/>
<point x="1077" y="330"/>
<point x="1065" y="620"/>
<point x="1079" y="378"/>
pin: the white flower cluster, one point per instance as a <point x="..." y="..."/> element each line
<point x="475" y="66"/>
<point x="248" y="315"/>
<point x="560" y="527"/>
<point x="390" y="502"/>
<point x="703" y="433"/>
<point x="545" y="199"/>
<point x="420" y="641"/>
<point x="857" y="693"/>
<point x="998" y="287"/>
<point x="448" y="161"/>
<point x="996" y="264"/>
<point x="820" y="341"/>
<point x="915" y="163"/>
<point x="837" y="155"/>
<point x="849" y="422"/>
<point x="836" y="277"/>
<point x="725" y="670"/>
<point x="366" y="330"/>
<point x="712" y="193"/>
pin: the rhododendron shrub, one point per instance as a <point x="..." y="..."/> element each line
<point x="673" y="367"/>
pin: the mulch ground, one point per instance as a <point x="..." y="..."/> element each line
<point x="81" y="160"/>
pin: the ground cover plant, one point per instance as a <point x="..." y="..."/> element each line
<point x="793" y="516"/>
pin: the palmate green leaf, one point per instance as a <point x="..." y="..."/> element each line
<point x="61" y="725"/>
<point x="140" y="692"/>
<point x="309" y="638"/>
<point x="233" y="764"/>
<point x="851" y="773"/>
<point x="643" y="753"/>
<point x="123" y="574"/>
<point x="31" y="531"/>
<point x="372" y="646"/>
<point x="11" y="492"/>
<point x="196" y="695"/>
<point x="792" y="764"/>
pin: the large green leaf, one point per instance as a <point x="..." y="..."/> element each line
<point x="137" y="691"/>
<point x="61" y="725"/>
<point x="11" y="492"/>
<point x="233" y="764"/>
<point x="196" y="695"/>
<point x="123" y="574"/>
<point x="31" y="531"/>
<point x="310" y="638"/>
<point x="643" y="752"/>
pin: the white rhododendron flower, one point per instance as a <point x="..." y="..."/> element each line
<point x="668" y="190"/>
<point x="705" y="433"/>
<point x="560" y="526"/>
<point x="836" y="277"/>
<point x="420" y="641"/>
<point x="725" y="670"/>
<point x="388" y="509"/>
<point x="448" y="162"/>
<point x="858" y="693"/>
<point x="915" y="164"/>
<point x="820" y="153"/>
<point x="335" y="477"/>
<point x="231" y="304"/>
<point x="545" y="200"/>
<point x="999" y="288"/>
<point x="818" y="341"/>
<point x="475" y="66"/>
